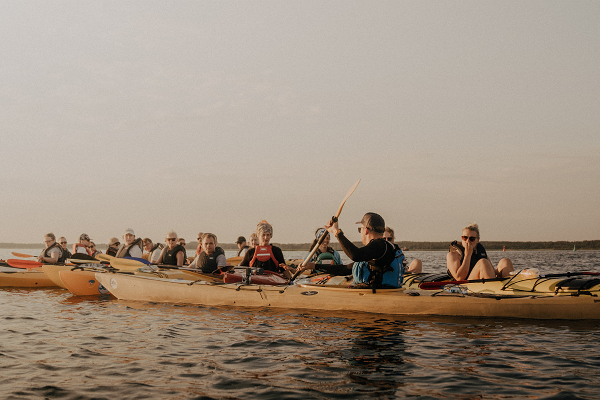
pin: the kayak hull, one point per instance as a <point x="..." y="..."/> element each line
<point x="52" y="272"/>
<point x="25" y="279"/>
<point x="313" y="297"/>
<point x="84" y="282"/>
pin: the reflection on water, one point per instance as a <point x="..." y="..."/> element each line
<point x="55" y="345"/>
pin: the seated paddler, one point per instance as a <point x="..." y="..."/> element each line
<point x="416" y="265"/>
<point x="173" y="253"/>
<point x="265" y="255"/>
<point x="326" y="259"/>
<point x="131" y="247"/>
<point x="379" y="264"/>
<point x="212" y="258"/>
<point x="468" y="259"/>
<point x="53" y="253"/>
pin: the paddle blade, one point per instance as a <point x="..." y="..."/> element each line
<point x="21" y="255"/>
<point x="23" y="263"/>
<point x="352" y="189"/>
<point x="142" y="260"/>
<point x="125" y="264"/>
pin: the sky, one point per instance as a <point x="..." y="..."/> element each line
<point x="210" y="116"/>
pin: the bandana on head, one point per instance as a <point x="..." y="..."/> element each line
<point x="320" y="233"/>
<point x="264" y="226"/>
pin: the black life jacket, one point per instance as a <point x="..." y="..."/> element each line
<point x="170" y="256"/>
<point x="242" y="249"/>
<point x="124" y="249"/>
<point x="208" y="263"/>
<point x="63" y="254"/>
<point x="478" y="254"/>
<point x="111" y="251"/>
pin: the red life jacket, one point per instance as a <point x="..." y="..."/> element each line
<point x="263" y="254"/>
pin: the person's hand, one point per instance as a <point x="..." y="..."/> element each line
<point x="332" y="227"/>
<point x="469" y="247"/>
<point x="40" y="258"/>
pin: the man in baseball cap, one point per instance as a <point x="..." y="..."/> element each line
<point x="242" y="246"/>
<point x="372" y="263"/>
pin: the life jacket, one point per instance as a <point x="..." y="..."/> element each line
<point x="63" y="254"/>
<point x="111" y="251"/>
<point x="325" y="258"/>
<point x="208" y="263"/>
<point x="387" y="276"/>
<point x="170" y="256"/>
<point x="76" y="245"/>
<point x="261" y="258"/>
<point x="478" y="254"/>
<point x="242" y="249"/>
<point x="124" y="249"/>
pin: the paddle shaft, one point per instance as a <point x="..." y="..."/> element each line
<point x="320" y="241"/>
<point x="21" y="255"/>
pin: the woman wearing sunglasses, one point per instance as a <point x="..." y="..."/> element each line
<point x="469" y="260"/>
<point x="173" y="253"/>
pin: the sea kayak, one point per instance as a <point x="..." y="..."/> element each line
<point x="318" y="297"/>
<point x="25" y="279"/>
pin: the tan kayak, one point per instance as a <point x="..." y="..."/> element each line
<point x="25" y="279"/>
<point x="84" y="282"/>
<point x="313" y="297"/>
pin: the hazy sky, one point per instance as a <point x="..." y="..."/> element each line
<point x="213" y="115"/>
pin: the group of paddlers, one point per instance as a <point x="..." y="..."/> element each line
<point x="380" y="263"/>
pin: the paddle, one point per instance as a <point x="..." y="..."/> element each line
<point x="21" y="255"/>
<point x="23" y="264"/>
<point x="320" y="241"/>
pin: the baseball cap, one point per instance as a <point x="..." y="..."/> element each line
<point x="373" y="221"/>
<point x="241" y="240"/>
<point x="84" y="236"/>
<point x="129" y="231"/>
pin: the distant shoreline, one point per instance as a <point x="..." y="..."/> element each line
<point x="409" y="246"/>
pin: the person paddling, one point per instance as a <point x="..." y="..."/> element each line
<point x="173" y="253"/>
<point x="53" y="253"/>
<point x="132" y="246"/>
<point x="211" y="258"/>
<point x="374" y="264"/>
<point x="468" y="260"/>
<point x="265" y="255"/>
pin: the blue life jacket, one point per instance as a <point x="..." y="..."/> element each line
<point x="391" y="279"/>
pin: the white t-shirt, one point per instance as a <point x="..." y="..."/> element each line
<point x="135" y="251"/>
<point x="154" y="256"/>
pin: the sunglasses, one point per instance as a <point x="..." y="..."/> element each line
<point x="116" y="244"/>
<point x="171" y="239"/>
<point x="63" y="242"/>
<point x="361" y="227"/>
<point x="469" y="238"/>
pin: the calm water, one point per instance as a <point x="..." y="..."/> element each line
<point x="55" y="345"/>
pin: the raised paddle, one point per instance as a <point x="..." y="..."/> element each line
<point x="320" y="241"/>
<point x="21" y="255"/>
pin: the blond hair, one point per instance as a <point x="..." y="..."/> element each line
<point x="391" y="232"/>
<point x="51" y="236"/>
<point x="473" y="227"/>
